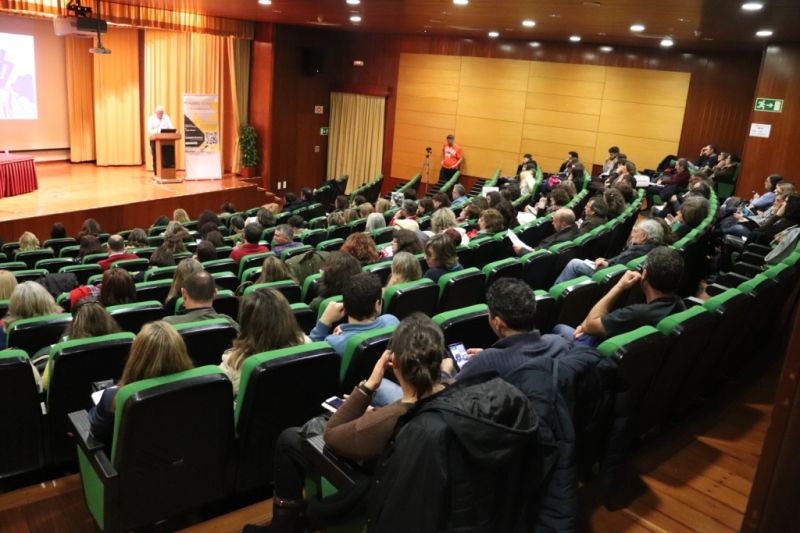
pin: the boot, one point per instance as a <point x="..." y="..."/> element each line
<point x="286" y="518"/>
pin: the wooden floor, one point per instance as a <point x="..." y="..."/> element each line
<point x="697" y="478"/>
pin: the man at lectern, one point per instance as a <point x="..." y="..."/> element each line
<point x="158" y="121"/>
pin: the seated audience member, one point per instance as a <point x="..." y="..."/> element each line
<point x="355" y="431"/>
<point x="361" y="304"/>
<point x="226" y="208"/>
<point x="473" y="210"/>
<point x="158" y="350"/>
<point x="408" y="211"/>
<point x="341" y="203"/>
<point x="527" y="159"/>
<point x="198" y="293"/>
<point x="611" y="161"/>
<point x="117" y="288"/>
<point x="375" y="221"/>
<point x="404" y="241"/>
<point x="58" y="231"/>
<point x="89" y="319"/>
<point x="761" y="203"/>
<point x="89" y="244"/>
<point x="336" y="219"/>
<point x="8" y="282"/>
<point x="626" y="188"/>
<point x="215" y="238"/>
<point x="572" y="158"/>
<point x="264" y="217"/>
<point x="512" y="316"/>
<point x="490" y="222"/>
<point x="509" y="213"/>
<point x="382" y="205"/>
<point x="615" y="202"/>
<point x="27" y="242"/>
<point x="565" y="230"/>
<point x="116" y="252"/>
<point x="693" y="210"/>
<point x="459" y="195"/>
<point x="444" y="219"/>
<point x="137" y="238"/>
<point x="725" y="169"/>
<point x="440" y="200"/>
<point x="180" y="215"/>
<point x="425" y="207"/>
<point x="28" y="300"/>
<point x="405" y="268"/>
<point x="176" y="232"/>
<point x="161" y="221"/>
<point x="787" y="216"/>
<point x="673" y="181"/>
<point x="184" y="269"/>
<point x="237" y="227"/>
<point x="576" y="176"/>
<point x="298" y="225"/>
<point x="595" y="214"/>
<point x="206" y="251"/>
<point x="292" y="202"/>
<point x="740" y="225"/>
<point x="441" y="256"/>
<point x="162" y="256"/>
<point x="365" y="209"/>
<point x="273" y="269"/>
<point x="698" y="186"/>
<point x="337" y="268"/>
<point x="90" y="227"/>
<point x="351" y="215"/>
<point x="283" y="239"/>
<point x="659" y="280"/>
<point x="362" y="247"/>
<point x="707" y="158"/>
<point x="527" y="179"/>
<point x="252" y="235"/>
<point x="267" y="323"/>
<point x="358" y="200"/>
<point x="645" y="236"/>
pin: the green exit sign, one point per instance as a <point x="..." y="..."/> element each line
<point x="769" y="105"/>
<point x="323" y="131"/>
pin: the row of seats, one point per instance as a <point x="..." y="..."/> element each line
<point x="371" y="191"/>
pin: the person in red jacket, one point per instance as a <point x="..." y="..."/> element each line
<point x="673" y="181"/>
<point x="116" y="252"/>
<point x="252" y="234"/>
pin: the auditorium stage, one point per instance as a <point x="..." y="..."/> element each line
<point x="118" y="197"/>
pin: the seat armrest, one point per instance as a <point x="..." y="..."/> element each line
<point x="715" y="289"/>
<point x="731" y="279"/>
<point x="756" y="248"/>
<point x="342" y="473"/>
<point x="79" y="420"/>
<point x="746" y="269"/>
<point x="693" y="301"/>
<point x="752" y="258"/>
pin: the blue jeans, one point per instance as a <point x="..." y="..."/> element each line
<point x="388" y="392"/>
<point x="568" y="332"/>
<point x="574" y="269"/>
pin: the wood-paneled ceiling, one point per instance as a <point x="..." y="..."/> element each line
<point x="720" y="24"/>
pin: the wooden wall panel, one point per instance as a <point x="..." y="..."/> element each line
<point x="498" y="104"/>
<point x="561" y="102"/>
<point x="493" y="73"/>
<point x="586" y="89"/>
<point x="487" y="133"/>
<point x="561" y="119"/>
<point x="482" y="162"/>
<point x="647" y="86"/>
<point x="567" y="72"/>
<point x="565" y="135"/>
<point x="642" y="120"/>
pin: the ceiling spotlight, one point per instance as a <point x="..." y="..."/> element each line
<point x="528" y="23"/>
<point x="461" y="2"/>
<point x="534" y="44"/>
<point x="265" y="2"/>
<point x="752" y="6"/>
<point x="606" y="49"/>
<point x="494" y="34"/>
<point x="353" y="2"/>
<point x="575" y="38"/>
<point x="667" y="42"/>
<point x="637" y="27"/>
<point x="355" y="18"/>
<point x="764" y="33"/>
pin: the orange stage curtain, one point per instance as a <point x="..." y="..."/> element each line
<point x="80" y="103"/>
<point x="356" y="137"/>
<point x="118" y="139"/>
<point x="236" y="75"/>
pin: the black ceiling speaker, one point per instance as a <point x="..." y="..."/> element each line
<point x="313" y="61"/>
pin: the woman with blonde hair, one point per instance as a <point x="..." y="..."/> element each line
<point x="28" y="300"/>
<point x="186" y="267"/>
<point x="180" y="215"/>
<point x="267" y="323"/>
<point x="405" y="268"/>
<point x="443" y="219"/>
<point x="158" y="350"/>
<point x="8" y="282"/>
<point x="28" y="241"/>
<point x="273" y="269"/>
<point x="382" y="205"/>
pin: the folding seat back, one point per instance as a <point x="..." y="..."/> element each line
<point x="313" y="237"/>
<point x="486" y="251"/>
<point x="461" y="289"/>
<point x="29" y="275"/>
<point x="324" y="304"/>
<point x="225" y="302"/>
<point x="564" y="252"/>
<point x="144" y="253"/>
<point x="131" y="317"/>
<point x="54" y="264"/>
<point x="70" y="251"/>
<point x="330" y="245"/>
<point x="222" y="251"/>
<point x="306" y="318"/>
<point x="156" y="469"/>
<point x="159" y="273"/>
<point x="267" y="234"/>
<point x="466" y="256"/>
<point x="153" y="290"/>
<point x="593" y="245"/>
<point x="468" y="325"/>
<point x="22" y="446"/>
<point x="574" y="299"/>
<point x="74" y="366"/>
<point x="509" y="267"/>
<point x="252" y="260"/>
<point x="288" y="288"/>
<point x="58" y="244"/>
<point x="537" y="268"/>
<point x="226" y="280"/>
<point x="93" y="258"/>
<point x="278" y="389"/>
<point x="338" y="232"/>
<point x="358" y="225"/>
<point x="156" y="230"/>
<point x="546" y="316"/>
<point x="382" y="235"/>
<point x="382" y="269"/>
<point x="361" y="353"/>
<point x="533" y="234"/>
<point x="221" y="265"/>
<point x="31" y="256"/>
<point x="608" y="277"/>
<point x="13" y="266"/>
<point x="415" y="296"/>
<point x="206" y="340"/>
<point x="311" y="287"/>
<point x="297" y="250"/>
<point x="33" y="334"/>
<point x="132" y="265"/>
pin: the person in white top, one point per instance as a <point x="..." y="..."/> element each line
<point x="158" y="121"/>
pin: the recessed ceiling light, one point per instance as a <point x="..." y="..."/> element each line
<point x="606" y="49"/>
<point x="494" y="34"/>
<point x="637" y="27"/>
<point x="764" y="33"/>
<point x="534" y="44"/>
<point x="752" y="6"/>
<point x="667" y="42"/>
<point x="461" y="2"/>
<point x="353" y="2"/>
<point x="355" y="18"/>
<point x="265" y="2"/>
<point x="575" y="38"/>
<point x="528" y="23"/>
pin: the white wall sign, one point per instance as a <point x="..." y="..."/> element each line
<point x="760" y="130"/>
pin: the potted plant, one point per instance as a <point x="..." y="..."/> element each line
<point x="248" y="149"/>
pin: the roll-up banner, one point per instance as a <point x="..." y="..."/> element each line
<point x="201" y="136"/>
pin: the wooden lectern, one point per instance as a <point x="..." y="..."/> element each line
<point x="165" y="157"/>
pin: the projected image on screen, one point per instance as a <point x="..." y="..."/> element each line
<point x="17" y="77"/>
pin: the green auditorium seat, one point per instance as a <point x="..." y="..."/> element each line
<point x="70" y="251"/>
<point x="29" y="275"/>
<point x="268" y="234"/>
<point x="153" y="290"/>
<point x="510" y="267"/>
<point x="338" y="232"/>
<point x="144" y="253"/>
<point x="226" y="280"/>
<point x="159" y="273"/>
<point x="253" y="260"/>
<point x="33" y="334"/>
<point x="468" y="325"/>
<point x="537" y="268"/>
<point x="486" y="251"/>
<point x="222" y="251"/>
<point x="132" y="265"/>
<point x="533" y="233"/>
<point x="324" y="304"/>
<point x="361" y="353"/>
<point x="10" y="247"/>
<point x="288" y="288"/>
<point x="32" y="256"/>
<point x="74" y="366"/>
<point x="415" y="296"/>
<point x="250" y="275"/>
<point x="306" y="318"/>
<point x="131" y="317"/>
<point x="57" y="244"/>
<point x="221" y="265"/>
<point x="383" y="270"/>
<point x="54" y="264"/>
<point x="358" y="226"/>
<point x="278" y="389"/>
<point x="156" y="230"/>
<point x="382" y="235"/>
<point x="22" y="448"/>
<point x="608" y="277"/>
<point x="13" y="266"/>
<point x="155" y="469"/>
<point x="206" y="340"/>
<point x="311" y="287"/>
<point x="461" y="289"/>
<point x="313" y="237"/>
<point x="330" y="245"/>
<point x="574" y="299"/>
<point x="93" y="258"/>
<point x="225" y="302"/>
<point x="319" y="223"/>
<point x="545" y="311"/>
<point x="296" y="250"/>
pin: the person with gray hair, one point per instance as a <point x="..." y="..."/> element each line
<point x="459" y="195"/>
<point x="158" y="121"/>
<point x="283" y="239"/>
<point x="116" y="252"/>
<point x="375" y="221"/>
<point x="645" y="236"/>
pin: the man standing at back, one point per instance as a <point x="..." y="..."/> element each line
<point x="452" y="156"/>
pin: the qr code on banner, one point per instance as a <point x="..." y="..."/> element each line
<point x="212" y="137"/>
